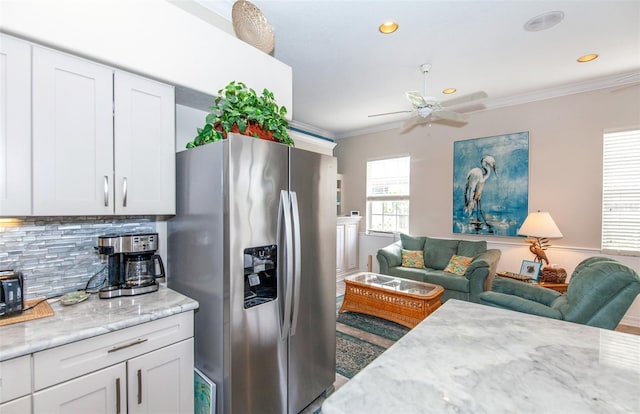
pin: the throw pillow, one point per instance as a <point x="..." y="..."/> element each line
<point x="412" y="242"/>
<point x="412" y="258"/>
<point x="458" y="264"/>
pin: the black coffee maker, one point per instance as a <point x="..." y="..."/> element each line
<point x="133" y="266"/>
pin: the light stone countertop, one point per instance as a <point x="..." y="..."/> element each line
<point x="89" y="318"/>
<point x="471" y="358"/>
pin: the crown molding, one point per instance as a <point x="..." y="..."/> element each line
<point x="222" y="8"/>
<point x="616" y="80"/>
<point x="311" y="130"/>
<point x="212" y="12"/>
<point x="370" y="130"/>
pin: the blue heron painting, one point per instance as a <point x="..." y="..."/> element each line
<point x="491" y="184"/>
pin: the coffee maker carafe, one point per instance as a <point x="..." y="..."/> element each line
<point x="133" y="266"/>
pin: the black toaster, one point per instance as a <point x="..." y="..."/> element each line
<point x="11" y="292"/>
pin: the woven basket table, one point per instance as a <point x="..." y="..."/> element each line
<point x="402" y="301"/>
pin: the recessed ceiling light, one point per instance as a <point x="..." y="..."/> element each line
<point x="544" y="21"/>
<point x="449" y="91"/>
<point x="587" y="58"/>
<point x="388" y="27"/>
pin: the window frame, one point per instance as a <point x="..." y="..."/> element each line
<point x="611" y="168"/>
<point x="388" y="198"/>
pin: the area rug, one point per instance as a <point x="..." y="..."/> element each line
<point x="353" y="353"/>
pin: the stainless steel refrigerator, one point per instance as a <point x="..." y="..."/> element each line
<point x="254" y="241"/>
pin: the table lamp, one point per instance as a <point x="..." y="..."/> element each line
<point x="539" y="227"/>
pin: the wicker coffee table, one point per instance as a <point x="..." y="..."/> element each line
<point x="403" y="301"/>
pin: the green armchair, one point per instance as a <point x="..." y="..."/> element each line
<point x="600" y="292"/>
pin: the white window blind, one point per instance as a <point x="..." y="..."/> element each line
<point x="621" y="193"/>
<point x="388" y="195"/>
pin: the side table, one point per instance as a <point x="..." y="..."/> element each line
<point x="558" y="287"/>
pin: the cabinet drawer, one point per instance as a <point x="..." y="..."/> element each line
<point x="15" y="378"/>
<point x="62" y="363"/>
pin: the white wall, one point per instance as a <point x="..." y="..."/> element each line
<point x="565" y="177"/>
<point x="188" y="120"/>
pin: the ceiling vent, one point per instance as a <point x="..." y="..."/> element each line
<point x="544" y="21"/>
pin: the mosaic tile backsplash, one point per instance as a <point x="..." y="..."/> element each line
<point x="56" y="254"/>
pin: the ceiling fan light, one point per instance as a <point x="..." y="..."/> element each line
<point x="388" y="27"/>
<point x="449" y="91"/>
<point x="424" y="111"/>
<point x="587" y="58"/>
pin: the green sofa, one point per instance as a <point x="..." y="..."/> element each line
<point x="600" y="292"/>
<point x="437" y="253"/>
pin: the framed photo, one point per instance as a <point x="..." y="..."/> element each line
<point x="531" y="269"/>
<point x="491" y="184"/>
<point x="204" y="394"/>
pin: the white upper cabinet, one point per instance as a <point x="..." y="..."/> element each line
<point x="72" y="135"/>
<point x="15" y="127"/>
<point x="144" y="146"/>
<point x="103" y="140"/>
<point x="177" y="45"/>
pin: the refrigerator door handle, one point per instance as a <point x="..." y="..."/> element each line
<point x="297" y="264"/>
<point x="284" y="212"/>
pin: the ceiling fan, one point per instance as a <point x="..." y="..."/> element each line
<point x="427" y="108"/>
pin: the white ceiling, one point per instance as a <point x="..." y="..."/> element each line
<point x="344" y="69"/>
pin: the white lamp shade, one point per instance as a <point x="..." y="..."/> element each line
<point x="540" y="224"/>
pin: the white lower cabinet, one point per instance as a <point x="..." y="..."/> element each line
<point x="340" y="268"/>
<point x="17" y="406"/>
<point x="351" y="246"/>
<point x="99" y="392"/>
<point x="15" y="379"/>
<point x="347" y="244"/>
<point x="162" y="381"/>
<point x="15" y="385"/>
<point x="158" y="382"/>
<point x="146" y="368"/>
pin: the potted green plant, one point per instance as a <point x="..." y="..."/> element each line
<point x="239" y="109"/>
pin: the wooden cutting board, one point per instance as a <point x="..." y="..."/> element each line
<point x="41" y="310"/>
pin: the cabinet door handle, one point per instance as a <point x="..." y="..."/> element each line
<point x="124" y="192"/>
<point x="118" y="395"/>
<point x="139" y="386"/>
<point x="118" y="348"/>
<point x="106" y="191"/>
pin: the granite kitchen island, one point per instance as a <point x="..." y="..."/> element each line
<point x="471" y="358"/>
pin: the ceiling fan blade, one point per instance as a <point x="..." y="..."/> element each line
<point x="416" y="99"/>
<point x="410" y="123"/>
<point x="413" y="121"/>
<point x="388" y="113"/>
<point x="450" y="116"/>
<point x="464" y="98"/>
